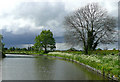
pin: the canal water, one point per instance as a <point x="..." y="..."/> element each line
<point x="44" y="68"/>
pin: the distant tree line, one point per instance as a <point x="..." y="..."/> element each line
<point x="20" y="49"/>
<point x="32" y="48"/>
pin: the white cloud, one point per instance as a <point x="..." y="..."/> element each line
<point x="23" y="45"/>
<point x="25" y="16"/>
<point x="19" y="26"/>
<point x="111" y="5"/>
<point x="62" y="46"/>
<point x="34" y="16"/>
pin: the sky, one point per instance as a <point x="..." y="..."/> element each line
<point x="22" y="20"/>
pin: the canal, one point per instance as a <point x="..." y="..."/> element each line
<point x="44" y="68"/>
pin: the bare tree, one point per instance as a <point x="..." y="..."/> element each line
<point x="89" y="25"/>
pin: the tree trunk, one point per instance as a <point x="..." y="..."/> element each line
<point x="3" y="55"/>
<point x="86" y="51"/>
<point x="85" y="47"/>
<point x="94" y="46"/>
<point x="45" y="49"/>
<point x="90" y="40"/>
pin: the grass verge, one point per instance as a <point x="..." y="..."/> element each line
<point x="108" y="65"/>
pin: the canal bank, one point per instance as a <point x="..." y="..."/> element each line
<point x="102" y="73"/>
<point x="77" y="61"/>
<point x="44" y="68"/>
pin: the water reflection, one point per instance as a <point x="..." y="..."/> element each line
<point x="45" y="68"/>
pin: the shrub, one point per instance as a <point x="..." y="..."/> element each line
<point x="99" y="49"/>
<point x="114" y="48"/>
<point x="72" y="49"/>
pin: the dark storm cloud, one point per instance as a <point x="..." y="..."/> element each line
<point x="40" y="12"/>
<point x="28" y="38"/>
<point x="21" y="24"/>
<point x="25" y="22"/>
<point x="47" y="14"/>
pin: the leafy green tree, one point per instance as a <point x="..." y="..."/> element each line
<point x="0" y="43"/>
<point x="99" y="49"/>
<point x="114" y="48"/>
<point x="18" y="49"/>
<point x="44" y="41"/>
<point x="52" y="48"/>
<point x="12" y="48"/>
<point x="30" y="49"/>
<point x="24" y="49"/>
<point x="6" y="48"/>
<point x="2" y="50"/>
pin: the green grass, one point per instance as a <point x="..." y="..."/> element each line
<point x="108" y="63"/>
<point x="98" y="52"/>
<point x="24" y="52"/>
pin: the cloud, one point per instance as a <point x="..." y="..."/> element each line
<point x="23" y="45"/>
<point x="111" y="5"/>
<point x="34" y="17"/>
<point x="11" y="39"/>
<point x="20" y="26"/>
<point x="22" y="20"/>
